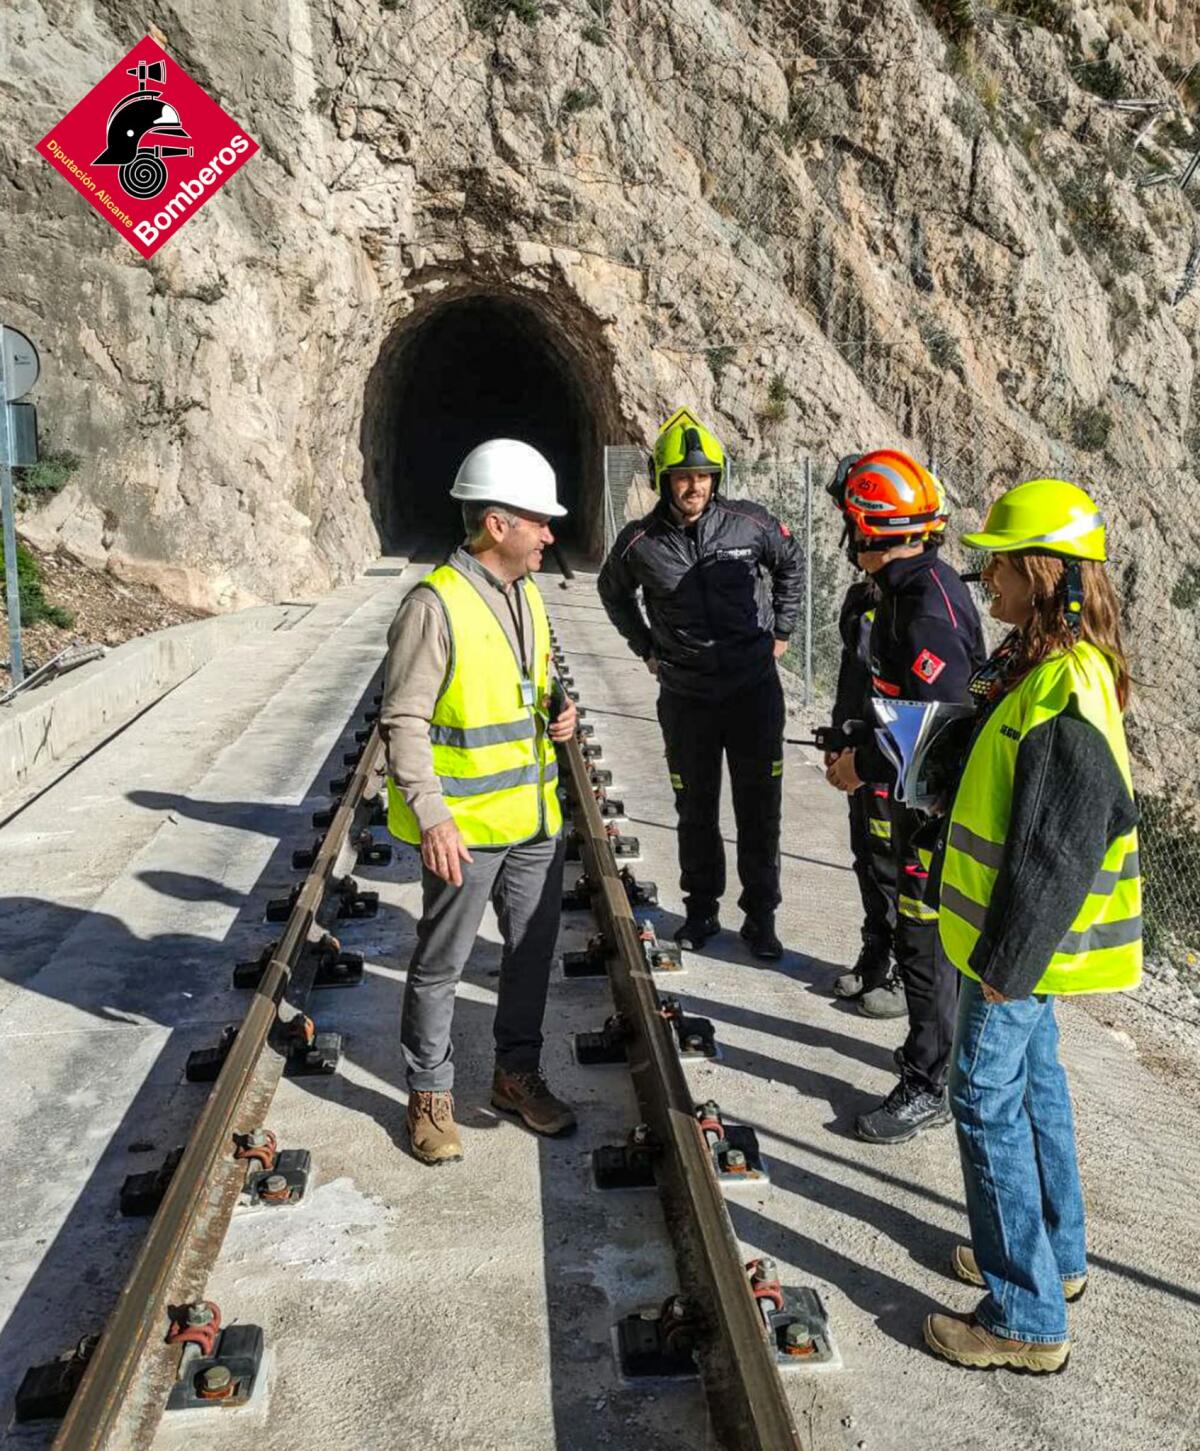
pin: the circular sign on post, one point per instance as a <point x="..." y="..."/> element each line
<point x="21" y="365"/>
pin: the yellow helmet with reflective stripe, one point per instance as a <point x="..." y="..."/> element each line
<point x="684" y="443"/>
<point x="1044" y="514"/>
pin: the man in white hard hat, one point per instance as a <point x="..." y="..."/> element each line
<point x="468" y="720"/>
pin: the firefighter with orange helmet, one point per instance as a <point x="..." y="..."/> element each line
<point x="926" y="642"/>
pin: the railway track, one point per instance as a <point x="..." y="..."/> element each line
<point x="730" y="1321"/>
<point x="147" y="1348"/>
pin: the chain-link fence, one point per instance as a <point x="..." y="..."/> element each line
<point x="958" y="227"/>
<point x="1164" y="740"/>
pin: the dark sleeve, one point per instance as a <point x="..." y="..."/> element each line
<point x="618" y="594"/>
<point x="854" y="675"/>
<point x="937" y="666"/>
<point x="1069" y="804"/>
<point x="782" y="559"/>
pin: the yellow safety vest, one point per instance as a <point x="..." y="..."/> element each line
<point x="1103" y="950"/>
<point x="491" y="752"/>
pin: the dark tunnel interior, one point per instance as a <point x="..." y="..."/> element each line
<point x="476" y="368"/>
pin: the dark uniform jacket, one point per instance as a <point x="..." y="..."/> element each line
<point x="711" y="616"/>
<point x="926" y="642"/>
<point x="854" y="670"/>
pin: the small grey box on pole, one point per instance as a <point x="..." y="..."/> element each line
<point x="808" y="583"/>
<point x="19" y="368"/>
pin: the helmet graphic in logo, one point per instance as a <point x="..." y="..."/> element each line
<point x="134" y="128"/>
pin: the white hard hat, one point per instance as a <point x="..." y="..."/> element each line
<point x="506" y="471"/>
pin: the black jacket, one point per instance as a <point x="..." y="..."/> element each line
<point x="926" y="642"/>
<point x="854" y="669"/>
<point x="712" y="616"/>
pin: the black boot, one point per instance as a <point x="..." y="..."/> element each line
<point x="909" y="1108"/>
<point x="759" y="935"/>
<point x="696" y="931"/>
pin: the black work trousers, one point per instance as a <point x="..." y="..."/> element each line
<point x="875" y="868"/>
<point x="930" y="979"/>
<point x="747" y="729"/>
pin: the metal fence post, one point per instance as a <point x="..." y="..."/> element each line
<point x="808" y="582"/>
<point x="12" y="582"/>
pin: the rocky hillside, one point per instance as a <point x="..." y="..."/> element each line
<point x="828" y="222"/>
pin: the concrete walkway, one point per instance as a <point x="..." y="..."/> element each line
<point x="470" y="1307"/>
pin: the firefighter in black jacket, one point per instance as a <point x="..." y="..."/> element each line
<point x="926" y="643"/>
<point x="872" y="981"/>
<point x="712" y="630"/>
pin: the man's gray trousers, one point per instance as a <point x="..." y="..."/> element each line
<point x="524" y="884"/>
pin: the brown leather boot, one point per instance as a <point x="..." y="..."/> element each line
<point x="963" y="1341"/>
<point x="527" y="1094"/>
<point x="432" y="1132"/>
<point x="966" y="1267"/>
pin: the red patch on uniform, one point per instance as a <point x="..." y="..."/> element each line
<point x="884" y="687"/>
<point x="927" y="666"/>
<point x="785" y="531"/>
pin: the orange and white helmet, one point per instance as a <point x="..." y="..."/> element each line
<point x="890" y="499"/>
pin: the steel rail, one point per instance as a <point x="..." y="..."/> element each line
<point x="138" y="1323"/>
<point x="745" y="1395"/>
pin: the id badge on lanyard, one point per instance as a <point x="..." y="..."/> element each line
<point x="528" y="694"/>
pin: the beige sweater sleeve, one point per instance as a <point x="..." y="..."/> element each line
<point x="417" y="660"/>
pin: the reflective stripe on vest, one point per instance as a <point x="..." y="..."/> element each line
<point x="1102" y="951"/>
<point x="494" y="761"/>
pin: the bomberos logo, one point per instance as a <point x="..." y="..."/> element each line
<point x="151" y="172"/>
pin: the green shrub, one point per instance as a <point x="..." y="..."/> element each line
<point x="954" y="18"/>
<point x="941" y="345"/>
<point x="1094" y="217"/>
<point x="594" y="34"/>
<point x="1175" y="131"/>
<point x="1102" y="77"/>
<point x="45" y="478"/>
<point x="1169" y="840"/>
<point x="718" y="360"/>
<point x="35" y="607"/>
<point x="580" y="99"/>
<point x="775" y="409"/>
<point x="1049" y="14"/>
<point x="1091" y="428"/>
<point x="1186" y="594"/>
<point x="481" y="13"/>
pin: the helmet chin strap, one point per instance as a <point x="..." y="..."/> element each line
<point x="1072" y="595"/>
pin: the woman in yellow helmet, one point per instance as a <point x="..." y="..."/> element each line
<point x="1040" y="895"/>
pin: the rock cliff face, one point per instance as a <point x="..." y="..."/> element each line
<point x="827" y="222"/>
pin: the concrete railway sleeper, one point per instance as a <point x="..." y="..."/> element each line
<point x="730" y="1320"/>
<point x="163" y="1343"/>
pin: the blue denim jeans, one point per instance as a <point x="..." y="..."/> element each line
<point x="1016" y="1136"/>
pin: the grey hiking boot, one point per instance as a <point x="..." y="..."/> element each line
<point x="872" y="967"/>
<point x="527" y="1094"/>
<point x="432" y="1132"/>
<point x="885" y="1001"/>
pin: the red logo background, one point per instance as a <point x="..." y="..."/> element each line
<point x="928" y="666"/>
<point x="218" y="145"/>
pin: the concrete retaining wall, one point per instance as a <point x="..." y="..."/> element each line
<point x="51" y="721"/>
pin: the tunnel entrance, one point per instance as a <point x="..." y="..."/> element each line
<point x="477" y="367"/>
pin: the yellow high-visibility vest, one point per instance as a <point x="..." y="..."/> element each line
<point x="495" y="762"/>
<point x="1102" y="952"/>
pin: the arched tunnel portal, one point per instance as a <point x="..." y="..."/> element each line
<point x="478" y="366"/>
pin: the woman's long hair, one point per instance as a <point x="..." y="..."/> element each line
<point x="1047" y="631"/>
